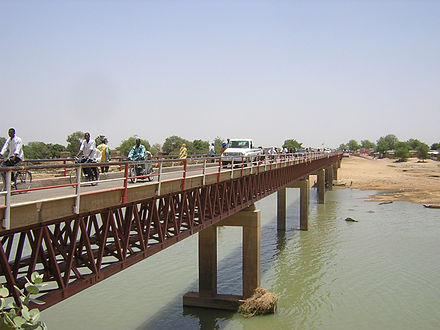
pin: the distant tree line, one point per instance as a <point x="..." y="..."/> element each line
<point x="391" y="142"/>
<point x="172" y="144"/>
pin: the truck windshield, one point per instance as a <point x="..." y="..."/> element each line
<point x="239" y="144"/>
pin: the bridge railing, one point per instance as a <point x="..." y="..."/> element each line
<point x="165" y="170"/>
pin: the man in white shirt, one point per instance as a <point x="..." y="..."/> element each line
<point x="87" y="150"/>
<point x="14" y="148"/>
<point x="212" y="151"/>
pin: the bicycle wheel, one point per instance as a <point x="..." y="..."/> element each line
<point x="72" y="176"/>
<point x="150" y="172"/>
<point x="2" y="183"/>
<point x="132" y="173"/>
<point x="23" y="180"/>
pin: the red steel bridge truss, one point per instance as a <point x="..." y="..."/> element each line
<point x="77" y="252"/>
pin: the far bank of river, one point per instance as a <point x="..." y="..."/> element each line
<point x="378" y="273"/>
<point x="412" y="181"/>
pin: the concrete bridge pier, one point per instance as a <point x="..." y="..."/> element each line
<point x="321" y="185"/>
<point x="207" y="297"/>
<point x="281" y="209"/>
<point x="335" y="171"/>
<point x="329" y="177"/>
<point x="304" y="204"/>
<point x="304" y="187"/>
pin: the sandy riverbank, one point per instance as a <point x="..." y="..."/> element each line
<point x="410" y="181"/>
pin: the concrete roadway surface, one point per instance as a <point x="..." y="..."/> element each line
<point x="36" y="195"/>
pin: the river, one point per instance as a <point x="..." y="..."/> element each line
<point x="381" y="272"/>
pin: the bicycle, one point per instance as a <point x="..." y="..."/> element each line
<point x="84" y="177"/>
<point x="22" y="180"/>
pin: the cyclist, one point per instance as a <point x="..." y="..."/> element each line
<point x="138" y="152"/>
<point x="87" y="152"/>
<point x="14" y="148"/>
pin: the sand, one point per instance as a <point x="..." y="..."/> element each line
<point x="411" y="181"/>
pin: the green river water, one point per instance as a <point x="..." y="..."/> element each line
<point x="381" y="272"/>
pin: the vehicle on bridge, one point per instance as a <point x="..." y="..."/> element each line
<point x="141" y="171"/>
<point x="241" y="151"/>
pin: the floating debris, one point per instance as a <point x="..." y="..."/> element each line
<point x="350" y="220"/>
<point x="432" y="206"/>
<point x="261" y="302"/>
<point x="338" y="183"/>
<point x="387" y="202"/>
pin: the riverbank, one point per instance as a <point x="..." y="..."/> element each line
<point x="411" y="181"/>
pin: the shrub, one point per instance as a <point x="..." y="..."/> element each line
<point x="20" y="316"/>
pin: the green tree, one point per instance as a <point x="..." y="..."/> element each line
<point x="127" y="144"/>
<point x="382" y="145"/>
<point x="343" y="147"/>
<point x="367" y="144"/>
<point x="41" y="150"/>
<point x="435" y="146"/>
<point x="353" y="145"/>
<point x="402" y="150"/>
<point x="173" y="143"/>
<point x="414" y="144"/>
<point x="155" y="148"/>
<point x="392" y="141"/>
<point x="55" y="149"/>
<point x="36" y="150"/>
<point x="292" y="144"/>
<point x="200" y="147"/>
<point x="422" y="151"/>
<point x="74" y="142"/>
<point x="218" y="144"/>
<point x="2" y="141"/>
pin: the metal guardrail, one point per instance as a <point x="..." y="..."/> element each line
<point x="269" y="161"/>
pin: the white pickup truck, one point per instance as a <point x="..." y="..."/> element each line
<point x="239" y="149"/>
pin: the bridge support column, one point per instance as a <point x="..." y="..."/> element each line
<point x="335" y="171"/>
<point x="321" y="185"/>
<point x="304" y="202"/>
<point x="207" y="296"/>
<point x="281" y="209"/>
<point x="329" y="177"/>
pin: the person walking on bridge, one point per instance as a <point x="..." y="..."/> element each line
<point x="212" y="151"/>
<point x="105" y="154"/>
<point x="183" y="152"/>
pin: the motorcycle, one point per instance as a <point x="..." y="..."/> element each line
<point x="140" y="169"/>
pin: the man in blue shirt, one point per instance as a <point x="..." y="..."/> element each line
<point x="138" y="152"/>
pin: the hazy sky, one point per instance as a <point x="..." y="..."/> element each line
<point x="315" y="71"/>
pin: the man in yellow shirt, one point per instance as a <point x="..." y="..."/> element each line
<point x="105" y="154"/>
<point x="182" y="153"/>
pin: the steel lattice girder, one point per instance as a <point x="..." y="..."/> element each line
<point x="76" y="253"/>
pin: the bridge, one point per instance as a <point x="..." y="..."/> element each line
<point x="77" y="234"/>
